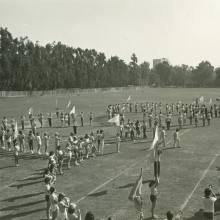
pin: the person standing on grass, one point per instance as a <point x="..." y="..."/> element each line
<point x="16" y="151"/>
<point x="163" y="136"/>
<point x="2" y="137"/>
<point x="5" y="123"/>
<point x="196" y="119"/>
<point x="54" y="208"/>
<point x="62" y="119"/>
<point x="60" y="157"/>
<point x="46" y="140"/>
<point x="40" y="118"/>
<point x="209" y="118"/>
<point x="209" y="201"/>
<point x="31" y="141"/>
<point x="73" y="213"/>
<point x="153" y="197"/>
<point x="49" y="118"/>
<point x="191" y="117"/>
<point x="203" y="119"/>
<point x="168" y="121"/>
<point x="102" y="141"/>
<point x="157" y="154"/>
<point x="176" y="139"/>
<point x="22" y="122"/>
<point x="144" y="129"/>
<point x="8" y="139"/>
<point x="21" y="139"/>
<point x="98" y="139"/>
<point x="118" y="142"/>
<point x="63" y="203"/>
<point x="82" y="119"/>
<point x="57" y="140"/>
<point x="39" y="143"/>
<point x="90" y="118"/>
<point x="74" y="124"/>
<point x="69" y="154"/>
<point x="47" y="182"/>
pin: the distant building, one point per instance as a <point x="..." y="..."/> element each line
<point x="157" y="61"/>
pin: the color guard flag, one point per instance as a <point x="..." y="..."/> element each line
<point x="68" y="104"/>
<point x="30" y="111"/>
<point x="16" y="129"/>
<point x="129" y="98"/>
<point x="73" y="111"/>
<point x="115" y="120"/>
<point x="156" y="139"/>
<point x="210" y="101"/>
<point x="136" y="189"/>
<point x="201" y="99"/>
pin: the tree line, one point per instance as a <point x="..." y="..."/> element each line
<point x="27" y="65"/>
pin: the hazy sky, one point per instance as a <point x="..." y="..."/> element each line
<point x="184" y="31"/>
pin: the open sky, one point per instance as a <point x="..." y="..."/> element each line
<point x="184" y="31"/>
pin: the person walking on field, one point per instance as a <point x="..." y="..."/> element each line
<point x="176" y="138"/>
<point x="81" y="119"/>
<point x="102" y="141"/>
<point x="209" y="118"/>
<point x="90" y="118"/>
<point x="163" y="136"/>
<point x="118" y="142"/>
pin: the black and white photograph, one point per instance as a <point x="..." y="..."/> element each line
<point x="109" y="109"/>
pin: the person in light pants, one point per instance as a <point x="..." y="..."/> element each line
<point x="176" y="138"/>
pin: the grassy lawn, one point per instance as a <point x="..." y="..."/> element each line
<point x="102" y="184"/>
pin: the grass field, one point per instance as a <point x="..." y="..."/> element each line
<point x="102" y="184"/>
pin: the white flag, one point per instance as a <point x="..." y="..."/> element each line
<point x="16" y="129"/>
<point x="73" y="111"/>
<point x="129" y="98"/>
<point x="115" y="120"/>
<point x="68" y="104"/>
<point x="201" y="99"/>
<point x="30" y="111"/>
<point x="156" y="139"/>
<point x="210" y="101"/>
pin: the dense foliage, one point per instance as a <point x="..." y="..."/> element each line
<point x="25" y="65"/>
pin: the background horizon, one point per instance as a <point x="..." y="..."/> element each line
<point x="183" y="32"/>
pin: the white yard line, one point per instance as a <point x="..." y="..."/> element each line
<point x="122" y="172"/>
<point x="199" y="181"/>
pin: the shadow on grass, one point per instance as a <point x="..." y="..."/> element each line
<point x="14" y="207"/>
<point x="12" y="199"/>
<point x="22" y="214"/>
<point x="96" y="194"/>
<point x="197" y="216"/>
<point x="132" y="184"/>
<point x="26" y="184"/>
<point x="10" y="166"/>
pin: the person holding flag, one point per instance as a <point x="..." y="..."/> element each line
<point x="135" y="195"/>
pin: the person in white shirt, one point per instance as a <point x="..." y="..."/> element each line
<point x="47" y="181"/>
<point x="163" y="136"/>
<point x="53" y="204"/>
<point x="176" y="139"/>
<point x="39" y="143"/>
<point x="208" y="201"/>
<point x="73" y="212"/>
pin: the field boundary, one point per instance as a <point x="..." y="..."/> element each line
<point x="72" y="91"/>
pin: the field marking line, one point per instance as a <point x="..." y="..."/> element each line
<point x="199" y="181"/>
<point x="123" y="171"/>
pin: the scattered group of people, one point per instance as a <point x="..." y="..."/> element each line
<point x="156" y="118"/>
